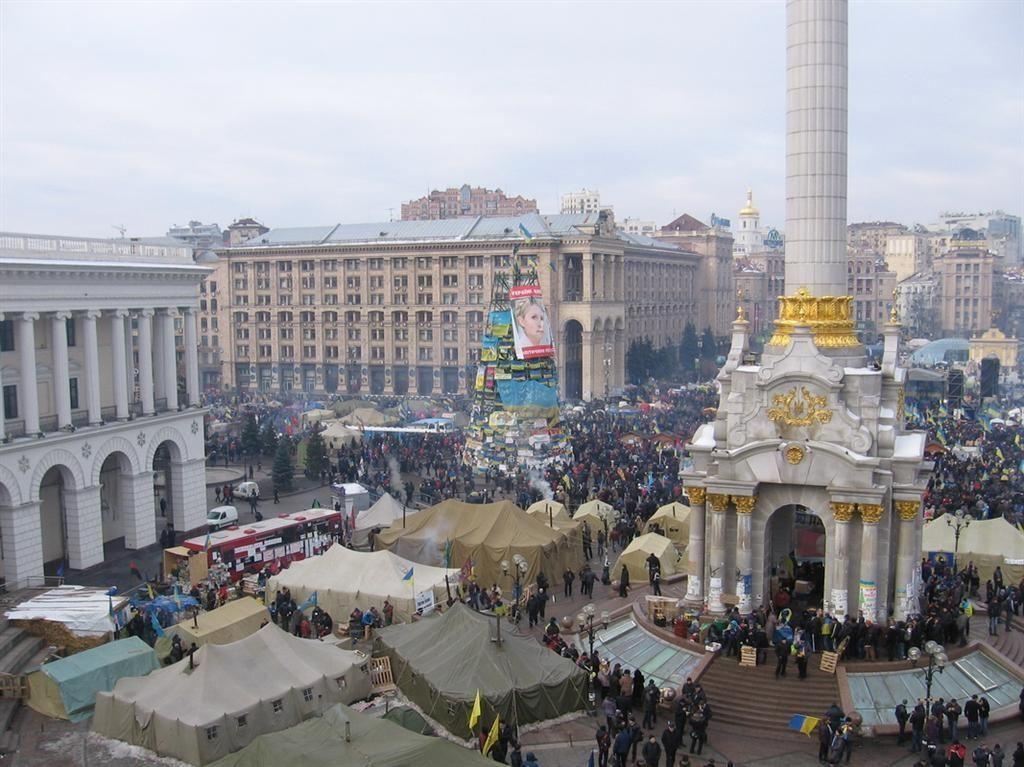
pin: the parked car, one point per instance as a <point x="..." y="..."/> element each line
<point x="222" y="516"/>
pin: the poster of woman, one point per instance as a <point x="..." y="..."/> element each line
<point x="531" y="329"/>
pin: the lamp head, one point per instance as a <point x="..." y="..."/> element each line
<point x="914" y="654"/>
<point x="941" y="659"/>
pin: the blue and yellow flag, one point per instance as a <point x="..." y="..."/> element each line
<point x="527" y="235"/>
<point x="804" y="724"/>
<point x="408" y="575"/>
<point x="999" y="454"/>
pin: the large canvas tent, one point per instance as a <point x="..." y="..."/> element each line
<point x="596" y="513"/>
<point x="989" y="543"/>
<point x="635" y="555"/>
<point x="344" y="579"/>
<point x="487" y="534"/>
<point x="228" y="623"/>
<point x="343" y="737"/>
<point x="439" y="663"/>
<point x="383" y="514"/>
<point x="66" y="688"/>
<point x="551" y="513"/>
<point x="674" y="521"/>
<point x="266" y="682"/>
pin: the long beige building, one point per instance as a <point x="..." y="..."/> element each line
<point x="400" y="307"/>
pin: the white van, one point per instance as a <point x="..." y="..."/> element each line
<point x="246" y="489"/>
<point x="222" y="516"/>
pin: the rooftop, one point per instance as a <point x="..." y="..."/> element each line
<point x="165" y="251"/>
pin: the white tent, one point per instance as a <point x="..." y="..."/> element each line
<point x="338" y="435"/>
<point x="266" y="682"/>
<point x="551" y="513"/>
<point x="385" y="512"/>
<point x="989" y="543"/>
<point x="344" y="579"/>
<point x="317" y="415"/>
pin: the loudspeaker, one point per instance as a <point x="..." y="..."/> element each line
<point x="990" y="377"/>
<point x="954" y="388"/>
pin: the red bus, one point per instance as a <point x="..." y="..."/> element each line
<point x="281" y="540"/>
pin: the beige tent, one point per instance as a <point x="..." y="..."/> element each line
<point x="266" y="682"/>
<point x="317" y="415"/>
<point x="338" y="435"/>
<point x="989" y="543"/>
<point x="368" y="416"/>
<point x="635" y="555"/>
<point x="235" y="620"/>
<point x="383" y="514"/>
<point x="674" y="521"/>
<point x="596" y="514"/>
<point x="486" y="534"/>
<point x="552" y="514"/>
<point x="344" y="579"/>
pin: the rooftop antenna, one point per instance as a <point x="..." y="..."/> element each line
<point x="121" y="228"/>
<point x="391" y="214"/>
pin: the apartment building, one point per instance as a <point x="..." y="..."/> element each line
<point x="464" y="201"/>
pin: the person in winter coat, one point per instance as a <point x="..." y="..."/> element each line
<point x="623" y="742"/>
<point x="652" y="752"/>
<point x="624" y="583"/>
<point x="531" y="760"/>
<point x="670" y="741"/>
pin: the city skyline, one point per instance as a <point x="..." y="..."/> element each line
<point x="152" y="115"/>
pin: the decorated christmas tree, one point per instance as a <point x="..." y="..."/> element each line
<point x="515" y="421"/>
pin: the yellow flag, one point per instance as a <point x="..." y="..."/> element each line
<point x="149" y="588"/>
<point x="492" y="736"/>
<point x="474" y="715"/>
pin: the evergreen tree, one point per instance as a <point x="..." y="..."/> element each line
<point x="316" y="456"/>
<point x="708" y="345"/>
<point x="283" y="469"/>
<point x="688" y="349"/>
<point x="251" y="437"/>
<point x="268" y="439"/>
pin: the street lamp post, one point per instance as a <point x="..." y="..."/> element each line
<point x="586" y="623"/>
<point x="959" y="522"/>
<point x="937" y="660"/>
<point x="519" y="567"/>
<point x="696" y="362"/>
<point x="607" y="368"/>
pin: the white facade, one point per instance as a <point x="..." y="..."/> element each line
<point x="638" y="226"/>
<point x="97" y="398"/>
<point x="583" y="201"/>
<point x="748" y="238"/>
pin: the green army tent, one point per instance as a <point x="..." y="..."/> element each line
<point x="66" y="688"/>
<point x="439" y="663"/>
<point x="343" y="737"/>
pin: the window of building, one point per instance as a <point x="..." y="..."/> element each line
<point x="426" y="334"/>
<point x="309" y="334"/>
<point x="425" y="354"/>
<point x="450" y="299"/>
<point x="307" y="694"/>
<point x="73" y="387"/>
<point x="376" y="299"/>
<point x="70" y="322"/>
<point x="263" y="300"/>
<point x="476" y="281"/>
<point x="287" y="351"/>
<point x="425" y="281"/>
<point x="353" y="299"/>
<point x="242" y="351"/>
<point x="306" y="266"/>
<point x="451" y="354"/>
<point x="265" y="351"/>
<point x="330" y="265"/>
<point x="211" y="732"/>
<point x="401" y="353"/>
<point x="449" y="262"/>
<point x="450" y="334"/>
<point x="354" y="334"/>
<point x="399" y="263"/>
<point x="277" y="705"/>
<point x="351" y="317"/>
<point x="331" y="352"/>
<point x="401" y="334"/>
<point x="376" y="334"/>
<point x="399" y="298"/>
<point x="308" y="352"/>
<point x="424" y="262"/>
<point x="6" y="336"/>
<point x="377" y="353"/>
<point x="11" y="401"/>
<point x="375" y="264"/>
<point x="475" y="262"/>
<point x="502" y="261"/>
<point x="475" y="298"/>
<point x="308" y="283"/>
<point x="341" y="682"/>
<point x="424" y="299"/>
<point x="242" y="721"/>
<point x="355" y="352"/>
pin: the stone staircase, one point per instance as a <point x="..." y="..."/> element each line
<point x="754" y="701"/>
<point x="1009" y="643"/>
<point x="19" y="651"/>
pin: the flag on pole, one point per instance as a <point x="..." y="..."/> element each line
<point x="156" y="624"/>
<point x="149" y="588"/>
<point x="206" y="546"/>
<point x="804" y="724"/>
<point x="526" y="233"/>
<point x="492" y="736"/>
<point x="474" y="715"/>
<point x="311" y="602"/>
<point x="408" y="575"/>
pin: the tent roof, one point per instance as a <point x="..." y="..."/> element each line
<point x="541" y="507"/>
<point x="375" y="742"/>
<point x="993" y="537"/>
<point x="231" y="678"/>
<point x="385" y="511"/>
<point x="374" y="572"/>
<point x="88" y="661"/>
<point x="650" y="543"/>
<point x="454" y="653"/>
<point x="83" y="610"/>
<point x="595" y="508"/>
<point x="676" y="509"/>
<point x="495" y="525"/>
<point x="214" y="622"/>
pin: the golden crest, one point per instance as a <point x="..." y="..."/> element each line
<point x="794" y="454"/>
<point x="798" y="407"/>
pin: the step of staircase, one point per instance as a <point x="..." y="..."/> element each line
<point x="753" y="699"/>
<point x="1009" y="643"/>
<point x="19" y="653"/>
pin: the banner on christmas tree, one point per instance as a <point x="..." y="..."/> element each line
<point x="531" y="329"/>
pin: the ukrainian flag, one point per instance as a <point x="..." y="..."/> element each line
<point x="804" y="724"/>
<point x="526" y="233"/>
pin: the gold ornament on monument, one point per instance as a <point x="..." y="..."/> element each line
<point x="696" y="495"/>
<point x="744" y="503"/>
<point x="843" y="512"/>
<point x="870" y="512"/>
<point x="794" y="454"/>
<point x="798" y="407"/>
<point x="718" y="501"/>
<point x="830" y="319"/>
<point x="907" y="510"/>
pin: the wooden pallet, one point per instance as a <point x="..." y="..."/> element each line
<point x="13" y="686"/>
<point x="829" y="661"/>
<point x="748" y="657"/>
<point x="382" y="681"/>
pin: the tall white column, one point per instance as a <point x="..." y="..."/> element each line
<point x="140" y="510"/>
<point x="718" y="503"/>
<point x="587" y="384"/>
<point x="92" y="367"/>
<point x="870" y="516"/>
<point x="188" y="494"/>
<point x="170" y="364"/>
<point x="906" y="559"/>
<point x="131" y="371"/>
<point x="61" y="384"/>
<point x="191" y="357"/>
<point x="157" y="347"/>
<point x="28" y="392"/>
<point x="695" y="548"/>
<point x="146" y="360"/>
<point x="2" y="415"/>
<point x="744" y="553"/>
<point x="121" y="363"/>
<point x="21" y="528"/>
<point x="816" y="129"/>
<point x="85" y="527"/>
<point x="839" y="582"/>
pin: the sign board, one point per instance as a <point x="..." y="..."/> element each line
<point x="720" y="223"/>
<point x="774" y="239"/>
<point x="425" y="601"/>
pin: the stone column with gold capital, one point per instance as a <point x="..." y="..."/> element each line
<point x="744" y="554"/>
<point x="906" y="558"/>
<point x="695" y="548"/>
<point x="838" y="596"/>
<point x="718" y="503"/>
<point x="870" y="516"/>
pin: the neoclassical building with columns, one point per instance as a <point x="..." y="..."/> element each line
<point x="100" y="398"/>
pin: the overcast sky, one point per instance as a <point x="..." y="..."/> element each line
<point x="151" y="114"/>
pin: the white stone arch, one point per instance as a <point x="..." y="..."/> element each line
<point x="108" y="448"/>
<point x="57" y="457"/>
<point x="9" y="483"/>
<point x="166" y="434"/>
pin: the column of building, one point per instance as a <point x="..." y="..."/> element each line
<point x="906" y="557"/>
<point x="695" y="548"/>
<point x="28" y="391"/>
<point x="870" y="516"/>
<point x="744" y="553"/>
<point x="838" y="598"/>
<point x="61" y="379"/>
<point x="716" y="545"/>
